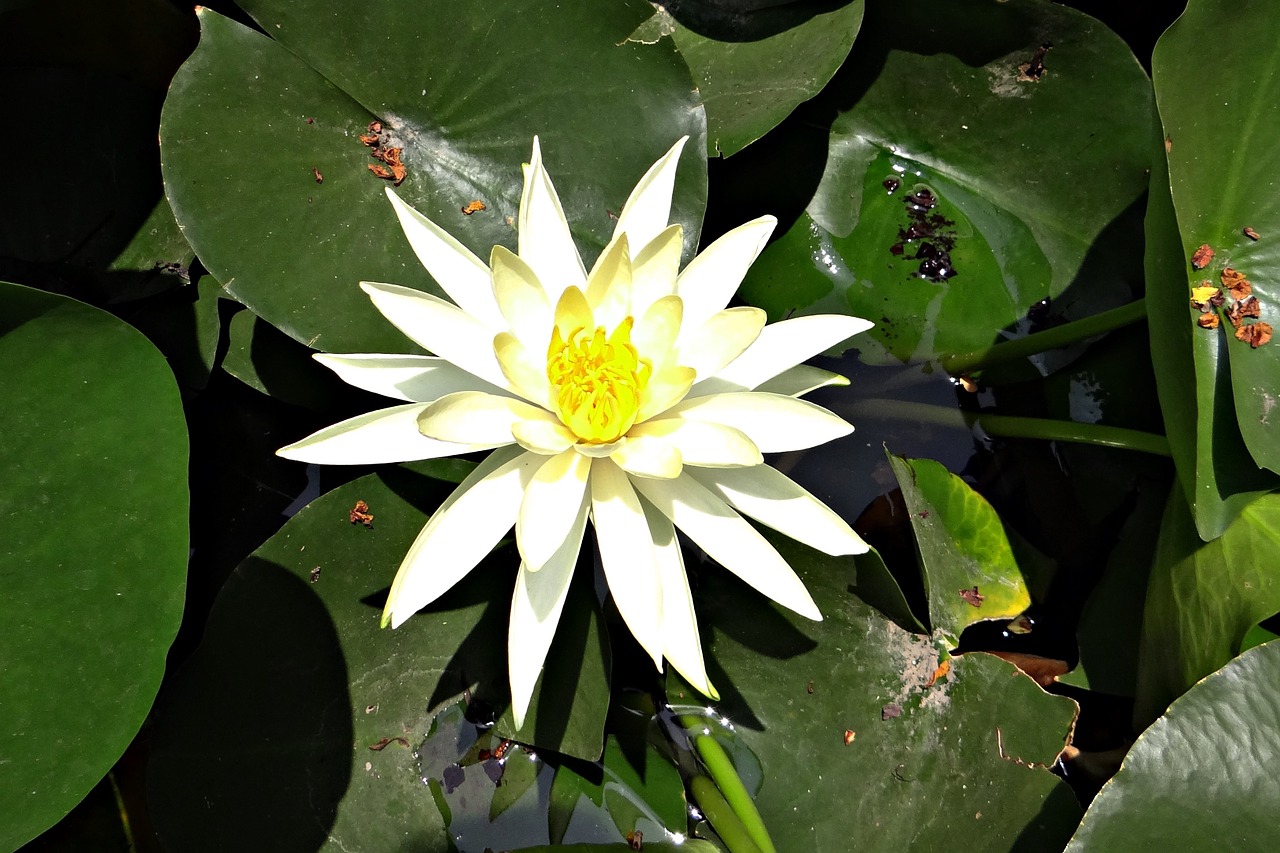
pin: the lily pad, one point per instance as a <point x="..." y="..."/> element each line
<point x="1203" y="775"/>
<point x="1203" y="598"/>
<point x="1221" y="119"/>
<point x="857" y="749"/>
<point x="93" y="561"/>
<point x="304" y="717"/>
<point x="753" y="66"/>
<point x="274" y="123"/>
<point x="967" y="564"/>
<point x="972" y="168"/>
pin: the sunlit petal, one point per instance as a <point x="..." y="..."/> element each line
<point x="461" y="275"/>
<point x="415" y="378"/>
<point x="700" y="442"/>
<point x="657" y="329"/>
<point x="609" y="284"/>
<point x="479" y="417"/>
<point x="679" y="621"/>
<point x="556" y="497"/>
<point x="374" y="438"/>
<point x="525" y="373"/>
<point x="544" y="239"/>
<point x="648" y="209"/>
<point x="773" y="499"/>
<point x="774" y="422"/>
<point x="779" y="347"/>
<point x="440" y="327"/>
<point x="728" y="539"/>
<point x="521" y="297"/>
<point x="654" y="269"/>
<point x="721" y="339"/>
<point x="666" y="387"/>
<point x="544" y="437"/>
<point x="573" y="312"/>
<point x="711" y="279"/>
<point x="627" y="555"/>
<point x="461" y="532"/>
<point x="535" y="611"/>
<point x="649" y="456"/>
<point x="796" y="382"/>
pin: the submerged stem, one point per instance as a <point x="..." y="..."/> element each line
<point x="961" y="364"/>
<point x="730" y="788"/>
<point x="721" y="816"/>
<point x="1009" y="426"/>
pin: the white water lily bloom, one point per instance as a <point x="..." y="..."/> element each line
<point x="628" y="396"/>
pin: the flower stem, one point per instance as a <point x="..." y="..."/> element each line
<point x="729" y="787"/>
<point x="1009" y="426"/>
<point x="961" y="364"/>
<point x="721" y="816"/>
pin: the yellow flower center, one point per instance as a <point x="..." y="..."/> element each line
<point x="598" y="380"/>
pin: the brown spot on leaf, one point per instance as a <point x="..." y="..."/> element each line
<point x="1235" y="282"/>
<point x="1168" y="144"/>
<point x="1250" y="233"/>
<point x="972" y="596"/>
<point x="316" y="173"/>
<point x="849" y="735"/>
<point x="1254" y="334"/>
<point x="1202" y="257"/>
<point x="360" y="514"/>
<point x="474" y="206"/>
<point x="385" y="742"/>
<point x="380" y="171"/>
<point x="315" y="574"/>
<point x="890" y="711"/>
<point x="1031" y="72"/>
<point x="1044" y="671"/>
<point x="1207" y="320"/>
<point x="1247" y="307"/>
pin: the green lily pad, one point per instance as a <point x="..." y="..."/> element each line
<point x="1202" y="777"/>
<point x="305" y="718"/>
<point x="969" y="570"/>
<point x="957" y="194"/>
<point x="93" y="561"/>
<point x="856" y="751"/>
<point x="753" y="66"/>
<point x="1203" y="598"/>
<point x="462" y="90"/>
<point x="1221" y="118"/>
<point x="267" y="360"/>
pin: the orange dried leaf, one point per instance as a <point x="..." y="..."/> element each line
<point x="473" y="207"/>
<point x="940" y="672"/>
<point x="360" y="514"/>
<point x="369" y="139"/>
<point x="1250" y="233"/>
<point x="1254" y="334"/>
<point x="380" y="171"/>
<point x="399" y="172"/>
<point x="849" y="735"/>
<point x="1208" y="320"/>
<point x="1202" y="257"/>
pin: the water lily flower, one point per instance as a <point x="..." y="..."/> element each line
<point x="628" y="396"/>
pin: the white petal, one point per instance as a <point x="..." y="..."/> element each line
<point x="721" y="339"/>
<point x="525" y="375"/>
<point x="552" y="505"/>
<point x="521" y="298"/>
<point x="774" y="422"/>
<point x="461" y="532"/>
<point x="656" y="331"/>
<point x="458" y="272"/>
<point x="775" y="500"/>
<point x="729" y="540"/>
<point x="654" y="269"/>
<point x="535" y="610"/>
<point x="796" y="382"/>
<point x="711" y="279"/>
<point x="545" y="242"/>
<point x="478" y="417"/>
<point x="440" y="327"/>
<point x="781" y="346"/>
<point x="416" y="378"/>
<point x="679" y="621"/>
<point x="374" y="438"/>
<point x="609" y="284"/>
<point x="648" y="209"/>
<point x="546" y="438"/>
<point x="627" y="554"/>
<point x="648" y="456"/>
<point x="700" y="442"/>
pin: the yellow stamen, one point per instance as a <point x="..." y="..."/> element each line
<point x="598" y="378"/>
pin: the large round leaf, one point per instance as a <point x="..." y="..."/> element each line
<point x="93" y="505"/>
<point x="1202" y="778"/>
<point x="970" y="172"/>
<point x="304" y="717"/>
<point x="754" y="65"/>
<point x="271" y="184"/>
<point x="860" y="749"/>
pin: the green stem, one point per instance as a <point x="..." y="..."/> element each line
<point x="721" y="816"/>
<point x="124" y="812"/>
<point x="720" y="768"/>
<point x="1009" y="426"/>
<point x="962" y="364"/>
